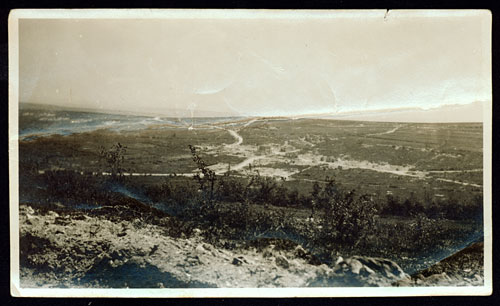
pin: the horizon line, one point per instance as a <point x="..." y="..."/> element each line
<point x="340" y="115"/>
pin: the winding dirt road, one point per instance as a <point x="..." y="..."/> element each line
<point x="239" y="139"/>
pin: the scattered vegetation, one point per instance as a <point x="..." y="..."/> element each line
<point x="242" y="209"/>
<point x="451" y="208"/>
<point x="337" y="215"/>
<point x="231" y="209"/>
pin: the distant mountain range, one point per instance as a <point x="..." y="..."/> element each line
<point x="472" y="112"/>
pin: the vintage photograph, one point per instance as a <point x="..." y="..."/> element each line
<point x="182" y="150"/>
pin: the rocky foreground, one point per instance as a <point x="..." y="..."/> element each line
<point x="76" y="249"/>
<point x="464" y="268"/>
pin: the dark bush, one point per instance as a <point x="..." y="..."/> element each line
<point x="74" y="188"/>
<point x="347" y="219"/>
<point x="113" y="159"/>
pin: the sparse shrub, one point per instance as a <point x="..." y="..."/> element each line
<point x="418" y="235"/>
<point x="114" y="158"/>
<point x="293" y="198"/>
<point x="226" y="221"/>
<point x="230" y="189"/>
<point x="346" y="218"/>
<point x="207" y="178"/>
<point x="160" y="192"/>
<point x="424" y="230"/>
<point x="73" y="188"/>
<point x="179" y="193"/>
<point x="261" y="188"/>
<point x="452" y="208"/>
<point x="269" y="222"/>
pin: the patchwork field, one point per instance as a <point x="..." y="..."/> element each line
<point x="432" y="160"/>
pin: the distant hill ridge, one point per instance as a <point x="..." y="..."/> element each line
<point x="169" y="113"/>
<point x="472" y="112"/>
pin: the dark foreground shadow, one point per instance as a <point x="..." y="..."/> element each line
<point x="132" y="275"/>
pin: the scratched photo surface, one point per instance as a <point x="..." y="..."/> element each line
<point x="316" y="150"/>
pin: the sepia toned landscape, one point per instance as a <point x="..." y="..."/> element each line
<point x="157" y="202"/>
<point x="186" y="149"/>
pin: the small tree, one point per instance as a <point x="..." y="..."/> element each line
<point x="346" y="218"/>
<point x="207" y="179"/>
<point x="114" y="158"/>
<point x="315" y="195"/>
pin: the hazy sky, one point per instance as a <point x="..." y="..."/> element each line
<point x="257" y="66"/>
